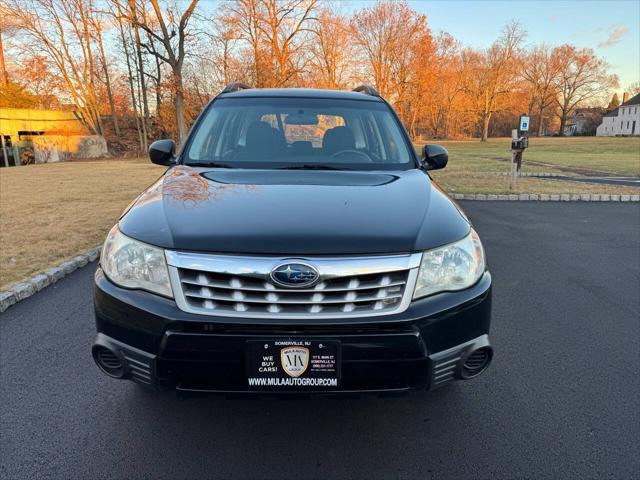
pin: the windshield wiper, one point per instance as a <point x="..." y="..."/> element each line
<point x="209" y="164"/>
<point x="313" y="166"/>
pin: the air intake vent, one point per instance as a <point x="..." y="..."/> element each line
<point x="476" y="363"/>
<point x="108" y="361"/>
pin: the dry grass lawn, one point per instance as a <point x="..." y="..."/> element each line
<point x="50" y="213"/>
<point x="572" y="155"/>
<point x="470" y="183"/>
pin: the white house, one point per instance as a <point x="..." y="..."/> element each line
<point x="624" y="120"/>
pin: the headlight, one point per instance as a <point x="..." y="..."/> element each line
<point x="133" y="264"/>
<point x="453" y="267"/>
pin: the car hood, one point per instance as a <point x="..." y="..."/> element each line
<point x="294" y="212"/>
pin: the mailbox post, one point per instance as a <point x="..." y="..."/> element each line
<point x="519" y="142"/>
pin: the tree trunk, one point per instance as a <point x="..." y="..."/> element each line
<point x="540" y="121"/>
<point x="182" y="130"/>
<point x="141" y="141"/>
<point x="145" y="135"/>
<point x="563" y="123"/>
<point x="108" y="84"/>
<point x="485" y="126"/>
<point x="445" y="123"/>
<point x="140" y="65"/>
<point x="3" y="65"/>
<point x="158" y="92"/>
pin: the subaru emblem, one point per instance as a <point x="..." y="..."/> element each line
<point x="294" y="274"/>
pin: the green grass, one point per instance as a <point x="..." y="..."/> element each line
<point x="569" y="156"/>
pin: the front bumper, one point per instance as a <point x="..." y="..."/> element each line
<point x="159" y="345"/>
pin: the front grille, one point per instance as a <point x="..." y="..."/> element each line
<point x="352" y="289"/>
<point x="221" y="293"/>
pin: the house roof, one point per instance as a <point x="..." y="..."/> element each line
<point x="612" y="113"/>
<point x="635" y="100"/>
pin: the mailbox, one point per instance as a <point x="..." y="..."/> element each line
<point x="519" y="143"/>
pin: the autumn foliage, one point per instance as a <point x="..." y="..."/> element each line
<point x="136" y="70"/>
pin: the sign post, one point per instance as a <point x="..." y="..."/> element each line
<point x="519" y="141"/>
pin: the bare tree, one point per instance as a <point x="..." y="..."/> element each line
<point x="582" y="77"/>
<point x="331" y="52"/>
<point x="174" y="52"/>
<point x="97" y="35"/>
<point x="441" y="94"/>
<point x="277" y="33"/>
<point x="282" y="23"/>
<point x="139" y="64"/>
<point x="61" y="29"/>
<point x="120" y="16"/>
<point x="385" y="33"/>
<point x="220" y="54"/>
<point x="150" y="46"/>
<point x="494" y="74"/>
<point x="246" y="16"/>
<point x="540" y="71"/>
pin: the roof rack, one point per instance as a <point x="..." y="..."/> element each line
<point x="367" y="89"/>
<point x="234" y="87"/>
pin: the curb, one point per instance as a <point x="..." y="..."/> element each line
<point x="519" y="174"/>
<point x="36" y="283"/>
<point x="548" y="197"/>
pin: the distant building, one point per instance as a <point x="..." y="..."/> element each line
<point x="623" y="121"/>
<point x="584" y="121"/>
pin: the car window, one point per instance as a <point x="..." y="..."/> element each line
<point x="280" y="132"/>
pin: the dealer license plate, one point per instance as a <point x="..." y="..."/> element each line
<point x="293" y="364"/>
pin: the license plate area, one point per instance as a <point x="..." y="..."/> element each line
<point x="293" y="364"/>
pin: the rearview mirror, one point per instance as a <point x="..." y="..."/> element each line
<point x="162" y="152"/>
<point x="434" y="157"/>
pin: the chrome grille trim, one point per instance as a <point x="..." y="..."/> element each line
<point x="239" y="286"/>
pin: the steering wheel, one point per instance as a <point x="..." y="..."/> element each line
<point x="350" y="151"/>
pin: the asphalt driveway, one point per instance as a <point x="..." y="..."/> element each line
<point x="561" y="400"/>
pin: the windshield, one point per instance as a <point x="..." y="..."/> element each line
<point x="299" y="133"/>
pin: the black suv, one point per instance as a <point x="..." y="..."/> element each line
<point x="296" y="243"/>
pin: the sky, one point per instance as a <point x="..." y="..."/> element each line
<point x="611" y="28"/>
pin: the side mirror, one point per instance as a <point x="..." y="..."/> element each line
<point x="162" y="152"/>
<point x="434" y="157"/>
